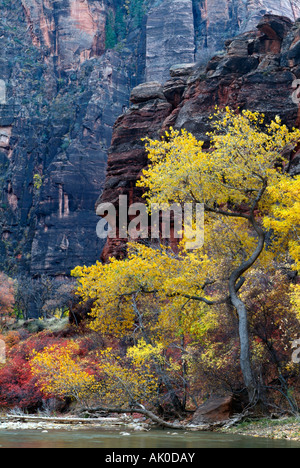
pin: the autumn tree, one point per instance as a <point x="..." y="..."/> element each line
<point x="6" y="298"/>
<point x="116" y="383"/>
<point x="239" y="181"/>
<point x="60" y="372"/>
<point x="130" y="304"/>
<point x="106" y="377"/>
<point x="235" y="180"/>
<point x="41" y="297"/>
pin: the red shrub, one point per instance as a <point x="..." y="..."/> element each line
<point x="18" y="387"/>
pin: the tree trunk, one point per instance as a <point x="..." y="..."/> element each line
<point x="139" y="409"/>
<point x="245" y="356"/>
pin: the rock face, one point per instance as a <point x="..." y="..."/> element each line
<point x="67" y="69"/>
<point x="72" y="30"/>
<point x="63" y="93"/>
<point x="217" y="20"/>
<point x="127" y="155"/>
<point x="185" y="31"/>
<point x="170" y="37"/>
<point x="257" y="72"/>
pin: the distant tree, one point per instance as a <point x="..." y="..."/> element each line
<point x="23" y="296"/>
<point x="137" y="11"/>
<point x="110" y="31"/>
<point x="62" y="298"/>
<point x="41" y="297"/>
<point x="120" y="23"/>
<point x="42" y="291"/>
<point x="6" y="298"/>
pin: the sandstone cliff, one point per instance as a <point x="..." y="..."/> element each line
<point x="64" y="92"/>
<point x="256" y="72"/>
<point x="196" y="29"/>
<point x="69" y="67"/>
<point x="217" y="19"/>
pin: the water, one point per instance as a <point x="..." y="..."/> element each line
<point x="154" y="440"/>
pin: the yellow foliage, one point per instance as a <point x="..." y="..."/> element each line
<point x="128" y="380"/>
<point x="295" y="296"/>
<point x="284" y="217"/>
<point x="143" y="294"/>
<point x="239" y="175"/>
<point x="125" y="381"/>
<point x="60" y="372"/>
<point x="242" y="156"/>
<point x="238" y="171"/>
<point x="143" y="352"/>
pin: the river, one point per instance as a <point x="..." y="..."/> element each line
<point x="156" y="439"/>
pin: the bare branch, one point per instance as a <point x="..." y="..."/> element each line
<point x="226" y="213"/>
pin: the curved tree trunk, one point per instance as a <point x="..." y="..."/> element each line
<point x="245" y="355"/>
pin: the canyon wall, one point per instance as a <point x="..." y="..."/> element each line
<point x="64" y="92"/>
<point x="67" y="68"/>
<point x="184" y="31"/>
<point x="217" y="20"/>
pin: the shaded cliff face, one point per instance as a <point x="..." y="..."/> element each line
<point x="68" y="67"/>
<point x="63" y="93"/>
<point x="170" y="36"/>
<point x="184" y="31"/>
<point x="217" y="20"/>
<point x="256" y="72"/>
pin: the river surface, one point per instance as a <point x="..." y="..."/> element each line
<point x="154" y="440"/>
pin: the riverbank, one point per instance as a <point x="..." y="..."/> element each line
<point x="280" y="429"/>
<point x="25" y="422"/>
<point x="116" y="422"/>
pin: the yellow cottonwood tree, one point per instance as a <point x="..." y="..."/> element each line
<point x="129" y="381"/>
<point x="234" y="181"/>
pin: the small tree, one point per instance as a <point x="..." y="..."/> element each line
<point x="114" y="381"/>
<point x="6" y="298"/>
<point x="61" y="374"/>
<point x="23" y="296"/>
<point x="42" y="292"/>
<point x="110" y="32"/>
